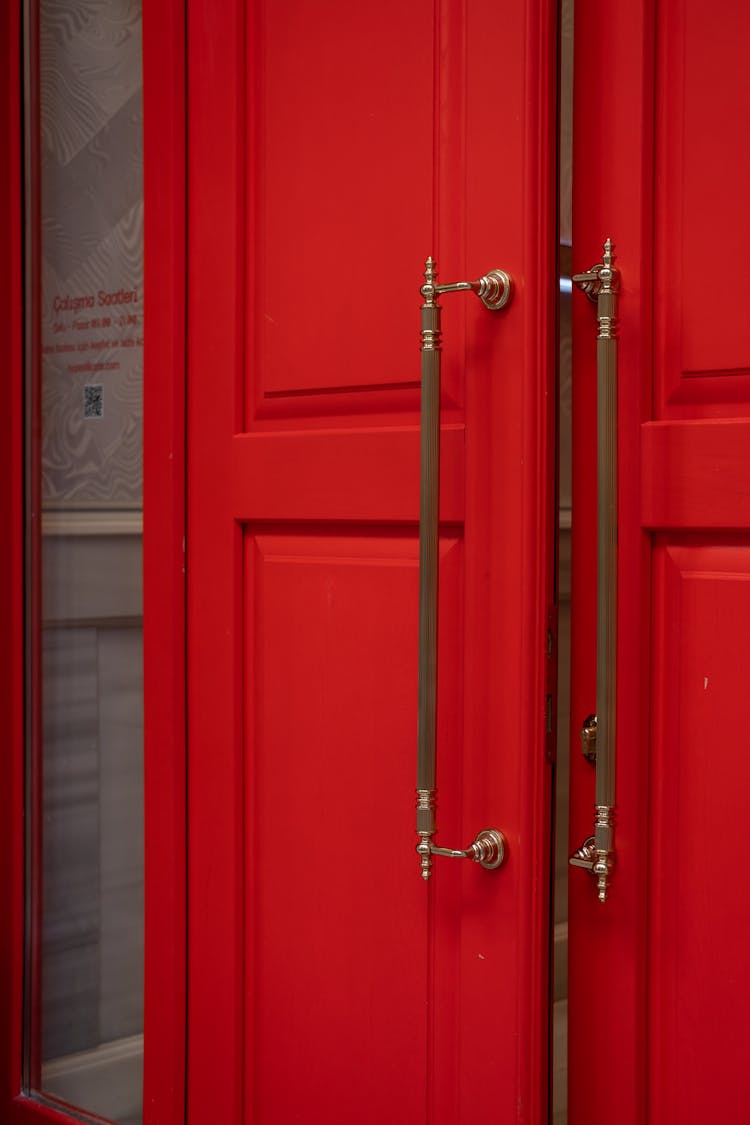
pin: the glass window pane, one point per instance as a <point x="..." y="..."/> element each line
<point x="84" y="612"/>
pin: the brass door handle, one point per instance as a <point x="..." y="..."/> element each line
<point x="488" y="849"/>
<point x="495" y="290"/>
<point x="601" y="284"/>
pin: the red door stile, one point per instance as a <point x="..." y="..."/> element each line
<point x="612" y="197"/>
<point x="215" y="332"/>
<point x="165" y="756"/>
<point x="325" y="979"/>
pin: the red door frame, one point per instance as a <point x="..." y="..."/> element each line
<point x="163" y="562"/>
<point x="164" y="127"/>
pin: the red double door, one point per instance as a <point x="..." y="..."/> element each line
<point x="331" y="148"/>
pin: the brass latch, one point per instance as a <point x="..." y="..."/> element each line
<point x="588" y="738"/>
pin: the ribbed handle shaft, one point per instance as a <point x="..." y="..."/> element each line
<point x="601" y="284"/>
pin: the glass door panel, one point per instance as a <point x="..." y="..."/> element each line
<point x="562" y="772"/>
<point x="84" y="268"/>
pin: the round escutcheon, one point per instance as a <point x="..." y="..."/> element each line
<point x="490" y="848"/>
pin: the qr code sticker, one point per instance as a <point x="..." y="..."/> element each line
<point x="93" y="400"/>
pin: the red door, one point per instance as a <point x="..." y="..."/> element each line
<point x="659" y="978"/>
<point x="332" y="147"/>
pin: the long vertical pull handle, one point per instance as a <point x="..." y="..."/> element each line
<point x="495" y="291"/>
<point x="601" y="284"/>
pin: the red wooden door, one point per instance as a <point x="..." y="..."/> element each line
<point x="659" y="978"/>
<point x="331" y="148"/>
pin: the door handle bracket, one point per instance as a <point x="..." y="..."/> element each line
<point x="489" y="848"/>
<point x="494" y="289"/>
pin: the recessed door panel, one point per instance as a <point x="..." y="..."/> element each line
<point x="702" y="180"/>
<point x="331" y="630"/>
<point x="339" y="169"/>
<point x="700" y="919"/>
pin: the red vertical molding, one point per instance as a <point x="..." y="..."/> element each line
<point x="540" y="194"/>
<point x="164" y="34"/>
<point x="510" y="533"/>
<point x="217" y="55"/>
<point x="612" y="197"/>
<point x="11" y="561"/>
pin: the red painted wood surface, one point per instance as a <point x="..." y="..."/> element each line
<point x="700" y="914"/>
<point x="607" y="960"/>
<point x="364" y="474"/>
<point x="696" y="473"/>
<point x="658" y="982"/>
<point x="165" y="757"/>
<point x="328" y="154"/>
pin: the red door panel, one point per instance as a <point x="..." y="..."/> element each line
<point x="700" y="915"/>
<point x="336" y="187"/>
<point x="331" y="149"/>
<point x="664" y="957"/>
<point x="700" y="215"/>
<point x="320" y="705"/>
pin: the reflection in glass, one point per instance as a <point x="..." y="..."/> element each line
<point x="562" y="768"/>
<point x="84" y="612"/>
